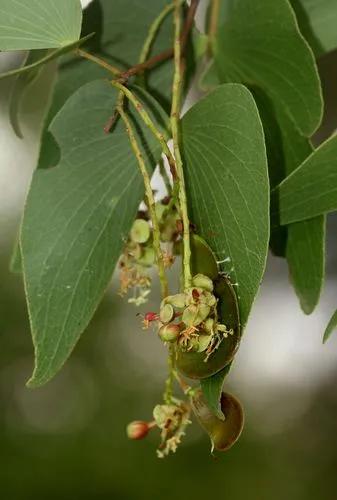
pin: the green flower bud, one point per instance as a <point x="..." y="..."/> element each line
<point x="203" y="342"/>
<point x="203" y="313"/>
<point x="202" y="281"/>
<point x="208" y="298"/>
<point x="160" y="209"/>
<point x="166" y="313"/>
<point x="169" y="333"/>
<point x="140" y="231"/>
<point x="209" y="325"/>
<point x="177" y="300"/>
<point x="195" y="314"/>
<point x="148" y="258"/>
<point x="137" y="429"/>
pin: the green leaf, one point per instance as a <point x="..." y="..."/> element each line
<point x="27" y="74"/>
<point x="305" y="247"/>
<point x="38" y="58"/>
<point x="311" y="189"/>
<point x="227" y="184"/>
<point x="260" y="44"/>
<point x="39" y="24"/>
<point x="212" y="389"/>
<point x="15" y="264"/>
<point x="76" y="219"/>
<point x="306" y="260"/>
<point x="73" y="73"/>
<point x="119" y="40"/>
<point x="332" y="325"/>
<point x="303" y="244"/>
<point x="22" y="82"/>
<point x="318" y="21"/>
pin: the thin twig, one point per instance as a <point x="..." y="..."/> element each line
<point x="153" y="32"/>
<point x="168" y="53"/>
<point x="175" y="121"/>
<point x="149" y="123"/>
<point x="150" y="200"/>
<point x="100" y="62"/>
<point x="152" y="61"/>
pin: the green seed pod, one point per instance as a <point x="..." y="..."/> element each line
<point x="140" y="231"/>
<point x="202" y="281"/>
<point x="223" y="433"/>
<point x="192" y="364"/>
<point x="148" y="257"/>
<point x="166" y="313"/>
<point x="169" y="333"/>
<point x="177" y="300"/>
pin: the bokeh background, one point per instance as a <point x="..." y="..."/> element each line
<point x="67" y="440"/>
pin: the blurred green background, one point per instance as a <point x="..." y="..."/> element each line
<point x="67" y="440"/>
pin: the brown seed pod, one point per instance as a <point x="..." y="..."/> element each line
<point x="223" y="433"/>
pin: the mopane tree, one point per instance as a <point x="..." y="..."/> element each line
<point x="241" y="176"/>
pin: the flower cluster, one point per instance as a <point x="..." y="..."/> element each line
<point x="171" y="419"/>
<point x="139" y="255"/>
<point x="190" y="319"/>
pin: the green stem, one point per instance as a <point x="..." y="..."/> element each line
<point x="97" y="60"/>
<point x="213" y="23"/>
<point x="149" y="123"/>
<point x="168" y="394"/>
<point x="154" y="28"/>
<point x="175" y="121"/>
<point x="165" y="176"/>
<point x="150" y="200"/>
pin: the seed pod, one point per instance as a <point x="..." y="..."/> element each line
<point x="140" y="231"/>
<point x="169" y="333"/>
<point x="192" y="364"/>
<point x="204" y="282"/>
<point x="166" y="313"/>
<point x="223" y="433"/>
<point x="137" y="429"/>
